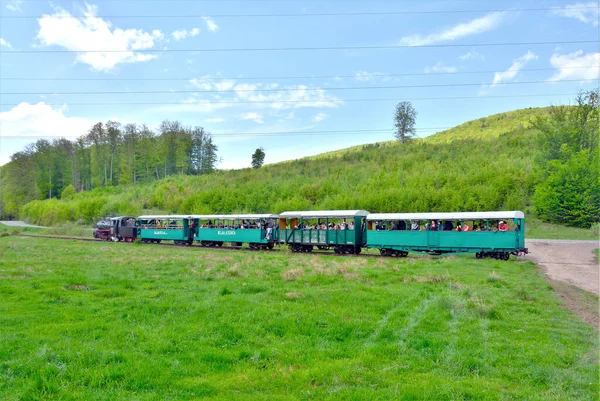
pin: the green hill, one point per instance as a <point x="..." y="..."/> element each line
<point x="484" y="164"/>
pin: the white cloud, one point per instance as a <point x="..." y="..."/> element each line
<point x="575" y="65"/>
<point x="14" y="5"/>
<point x="365" y="76"/>
<point x="584" y="12"/>
<point x="479" y="25"/>
<point x="514" y="69"/>
<point x="215" y="120"/>
<point x="182" y="33"/>
<point x="254" y="116"/>
<point x="474" y="55"/>
<point x="440" y="67"/>
<point x="4" y="43"/>
<point x="293" y="97"/>
<point x="42" y="120"/>
<point x="319" y="117"/>
<point x="210" y="24"/>
<point x="90" y="32"/>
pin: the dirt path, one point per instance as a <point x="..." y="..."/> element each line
<point x="15" y="223"/>
<point x="571" y="262"/>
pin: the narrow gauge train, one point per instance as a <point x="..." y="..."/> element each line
<point x="487" y="234"/>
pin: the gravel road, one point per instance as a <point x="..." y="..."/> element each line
<point x="568" y="261"/>
<point x="15" y="223"/>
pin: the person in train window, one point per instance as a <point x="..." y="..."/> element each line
<point x="502" y="226"/>
<point x="433" y="226"/>
<point x="459" y="226"/>
<point x="466" y="227"/>
<point x="402" y="225"/>
<point x="414" y="226"/>
<point x="343" y="225"/>
<point x="448" y="226"/>
<point x="351" y="226"/>
<point x="378" y="226"/>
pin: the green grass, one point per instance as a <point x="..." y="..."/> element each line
<point x="81" y="321"/>
<point x="536" y="228"/>
<point x="68" y="229"/>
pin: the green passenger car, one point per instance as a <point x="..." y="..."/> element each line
<point x="155" y="229"/>
<point x="487" y="234"/>
<point x="342" y="230"/>
<point x="260" y="231"/>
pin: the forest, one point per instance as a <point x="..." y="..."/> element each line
<point x="108" y="155"/>
<point x="542" y="160"/>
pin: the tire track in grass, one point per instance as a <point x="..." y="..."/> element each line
<point x="414" y="319"/>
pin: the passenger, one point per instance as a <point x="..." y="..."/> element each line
<point x="343" y="225"/>
<point x="448" y="226"/>
<point x="351" y="226"/>
<point x="414" y="226"/>
<point x="270" y="226"/>
<point x="502" y="226"/>
<point x="402" y="225"/>
<point x="466" y="227"/>
<point x="433" y="226"/>
<point x="158" y="225"/>
<point x="459" y="226"/>
<point x="378" y="226"/>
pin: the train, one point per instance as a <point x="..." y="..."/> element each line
<point x="496" y="234"/>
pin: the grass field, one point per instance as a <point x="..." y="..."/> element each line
<point x="83" y="321"/>
<point x="536" y="228"/>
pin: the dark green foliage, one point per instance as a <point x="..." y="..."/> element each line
<point x="568" y="166"/>
<point x="258" y="158"/>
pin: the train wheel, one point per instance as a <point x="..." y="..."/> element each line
<point x="506" y="256"/>
<point x="357" y="250"/>
<point x="383" y="252"/>
<point x="404" y="254"/>
<point x="478" y="255"/>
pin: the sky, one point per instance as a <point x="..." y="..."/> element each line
<point x="295" y="77"/>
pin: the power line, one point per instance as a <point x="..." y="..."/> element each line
<point x="291" y="89"/>
<point x="357" y="75"/>
<point x="286" y="15"/>
<point x="275" y="49"/>
<point x="292" y="101"/>
<point x="293" y="133"/>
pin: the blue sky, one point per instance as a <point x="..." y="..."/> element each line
<point x="240" y="95"/>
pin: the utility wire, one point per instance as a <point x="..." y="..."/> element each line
<point x="275" y="49"/>
<point x="286" y="15"/>
<point x="357" y="75"/>
<point x="292" y="101"/>
<point x="291" y="89"/>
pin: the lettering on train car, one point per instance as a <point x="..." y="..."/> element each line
<point x="222" y="232"/>
<point x="160" y="233"/>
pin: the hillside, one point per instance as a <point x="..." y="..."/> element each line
<point x="474" y="166"/>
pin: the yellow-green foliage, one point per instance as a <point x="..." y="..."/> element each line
<point x="462" y="173"/>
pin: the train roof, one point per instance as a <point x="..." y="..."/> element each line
<point x="122" y="217"/>
<point x="447" y="216"/>
<point x="314" y="214"/>
<point x="234" y="216"/>
<point x="165" y="216"/>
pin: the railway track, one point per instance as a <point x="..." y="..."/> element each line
<point x="220" y="248"/>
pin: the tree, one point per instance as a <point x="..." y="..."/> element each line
<point x="404" y="121"/>
<point x="258" y="158"/>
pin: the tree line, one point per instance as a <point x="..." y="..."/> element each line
<point x="110" y="154"/>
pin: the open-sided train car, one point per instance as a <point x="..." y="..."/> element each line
<point x="342" y="230"/>
<point x="487" y="234"/>
<point x="260" y="231"/>
<point x="155" y="229"/>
